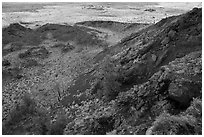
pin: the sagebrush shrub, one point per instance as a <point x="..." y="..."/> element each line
<point x="108" y="77"/>
<point x="188" y="122"/>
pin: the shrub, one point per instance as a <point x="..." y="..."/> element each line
<point x="67" y="48"/>
<point x="39" y="52"/>
<point x="39" y="124"/>
<point x="173" y="125"/>
<point x="124" y="102"/>
<point x="195" y="110"/>
<point x="26" y="107"/>
<point x="64" y="48"/>
<point x="144" y="41"/>
<point x="16" y="46"/>
<point x="58" y="45"/>
<point x="24" y="54"/>
<point x="29" y="63"/>
<point x="108" y="77"/>
<point x="99" y="125"/>
<point x="57" y="128"/>
<point x="26" y="117"/>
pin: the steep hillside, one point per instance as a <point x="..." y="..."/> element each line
<point x="169" y="39"/>
<point x="151" y="79"/>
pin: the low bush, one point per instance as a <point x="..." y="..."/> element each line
<point x="167" y="124"/>
<point x="67" y="48"/>
<point x="108" y="85"/>
<point x="16" y="46"/>
<point x="57" y="127"/>
<point x="26" y="117"/>
<point x="58" y="45"/>
<point x="38" y="52"/>
<point x="188" y="122"/>
<point x="24" y="54"/>
<point x="29" y="63"/>
<point x="26" y="107"/>
<point x="64" y="47"/>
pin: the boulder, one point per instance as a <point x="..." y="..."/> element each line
<point x="183" y="91"/>
<point x="154" y="57"/>
<point x="171" y="34"/>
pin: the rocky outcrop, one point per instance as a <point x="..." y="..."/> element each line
<point x="170" y="90"/>
<point x="162" y="79"/>
<point x="183" y="91"/>
<point x="171" y="40"/>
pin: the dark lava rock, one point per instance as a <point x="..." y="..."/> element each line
<point x="6" y="63"/>
<point x="168" y="40"/>
<point x="183" y="91"/>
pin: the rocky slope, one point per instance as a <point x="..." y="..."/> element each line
<point x="152" y="80"/>
<point x="73" y="80"/>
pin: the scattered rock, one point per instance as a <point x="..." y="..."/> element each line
<point x="165" y="41"/>
<point x="154" y="57"/>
